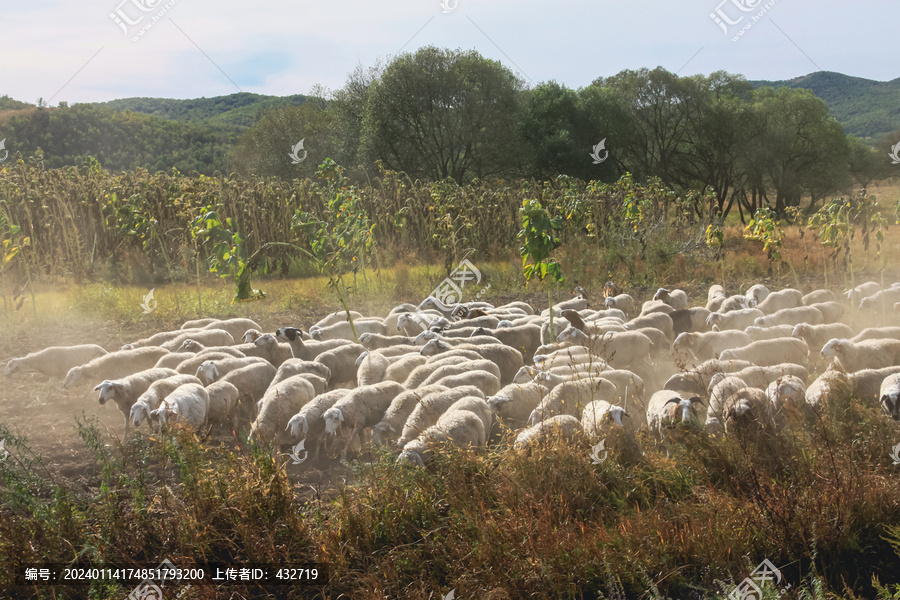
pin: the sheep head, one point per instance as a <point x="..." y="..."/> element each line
<point x="251" y="335"/>
<point x="333" y="419"/>
<point x="297" y="426"/>
<point x="832" y="349"/>
<point x="681" y="410"/>
<point x="72" y="377"/>
<point x="315" y="333"/>
<point x="365" y="338"/>
<point x="504" y="323"/>
<point x="207" y="372"/>
<point x="11" y="367"/>
<point x="109" y="390"/>
<point x="662" y="294"/>
<point x="266" y="341"/>
<point x="190" y="346"/>
<point x="412" y="457"/>
<point x="381" y="431"/>
<point x="890" y="403"/>
<point x="433" y="347"/>
<point x="714" y="319"/>
<point x="139" y="412"/>
<point x="288" y="334"/>
<point x="359" y="359"/>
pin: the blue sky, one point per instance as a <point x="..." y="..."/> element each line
<point x="205" y="48"/>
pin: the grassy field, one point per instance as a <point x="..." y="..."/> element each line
<point x="821" y="502"/>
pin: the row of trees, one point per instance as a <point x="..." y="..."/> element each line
<point x="440" y="114"/>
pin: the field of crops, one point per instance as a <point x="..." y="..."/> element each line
<point x="82" y="247"/>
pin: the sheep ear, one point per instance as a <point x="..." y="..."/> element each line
<point x="391" y="428"/>
<point x="102" y="383"/>
<point x="341" y="415"/>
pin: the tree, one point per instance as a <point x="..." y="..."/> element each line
<point x="441" y="113"/>
<point x="348" y="106"/>
<point x="266" y="148"/>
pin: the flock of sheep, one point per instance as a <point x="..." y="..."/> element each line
<point x="468" y="374"/>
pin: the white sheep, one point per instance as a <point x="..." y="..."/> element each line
<point x="623" y="350"/>
<point x="390" y="427"/>
<point x="124" y="392"/>
<point x="660" y="321"/>
<point x="411" y="325"/>
<point x="185" y="406"/>
<point x="207" y="337"/>
<point x="305" y="350"/>
<point x="173" y="359"/>
<point x="854" y="356"/>
<point x="194" y="347"/>
<point x="733" y="303"/>
<point x="747" y="411"/>
<point x="236" y="327"/>
<point x="668" y="410"/>
<point x="831" y="311"/>
<point x="770" y="352"/>
<point x="882" y="300"/>
<point x="561" y="427"/>
<point x="702" y="346"/>
<point x="214" y="369"/>
<point x="720" y="390"/>
<point x="419" y="374"/>
<point x="509" y="360"/>
<point x="769" y="333"/>
<point x="268" y="347"/>
<point x="462" y="428"/>
<point x="296" y="366"/>
<point x="524" y="338"/>
<point x="791" y="316"/>
<point x="818" y="296"/>
<point x="115" y="365"/>
<point x="786" y="298"/>
<point x="599" y="415"/>
<point x="715" y="297"/>
<point x="430" y="408"/>
<point x="157" y="339"/>
<point x="341" y="361"/>
<point x="820" y="390"/>
<point x="338" y="317"/>
<point x="787" y="395"/>
<point x="756" y="294"/>
<point x="344" y="330"/>
<point x="863" y="290"/>
<point x="461" y="368"/>
<point x="696" y="381"/>
<point x="402" y="368"/>
<point x="514" y="403"/>
<point x="189" y="366"/>
<point x="377" y="341"/>
<point x="223" y="397"/>
<point x="761" y="377"/>
<point x="308" y="424"/>
<point x="734" y="319"/>
<point x="363" y="407"/>
<point x="623" y="302"/>
<point x="279" y="404"/>
<point x="866" y="384"/>
<point x="371" y="368"/>
<point x="479" y="407"/>
<point x="817" y="336"/>
<point x="570" y="398"/>
<point x="251" y="335"/>
<point x="197" y="323"/>
<point x="54" y="362"/>
<point x="487" y="382"/>
<point x="149" y="400"/>
<point x="677" y="299"/>
<point x="252" y="381"/>
<point x="890" y="396"/>
<point x="877" y="333"/>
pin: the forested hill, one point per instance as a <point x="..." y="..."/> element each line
<point x="866" y="108"/>
<point x="232" y="111"/>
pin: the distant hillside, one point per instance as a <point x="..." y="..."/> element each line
<point x="866" y="108"/>
<point x="230" y="112"/>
